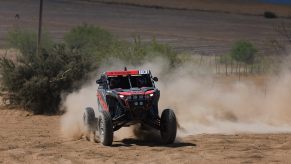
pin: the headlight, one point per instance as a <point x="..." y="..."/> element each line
<point x="149" y="96"/>
<point x="121" y="96"/>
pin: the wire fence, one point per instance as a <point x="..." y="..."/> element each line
<point x="216" y="65"/>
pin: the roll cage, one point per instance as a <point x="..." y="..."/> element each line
<point x="127" y="79"/>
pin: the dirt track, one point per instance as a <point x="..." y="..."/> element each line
<point x="35" y="139"/>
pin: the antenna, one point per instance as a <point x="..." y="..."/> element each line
<point x="125" y="69"/>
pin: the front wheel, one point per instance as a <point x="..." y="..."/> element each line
<point x="168" y="126"/>
<point x="105" y="128"/>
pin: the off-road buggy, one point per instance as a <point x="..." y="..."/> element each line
<point x="126" y="98"/>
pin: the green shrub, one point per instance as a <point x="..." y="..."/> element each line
<point x="90" y="40"/>
<point x="243" y="51"/>
<point x="38" y="81"/>
<point x="138" y="52"/>
<point x="25" y="41"/>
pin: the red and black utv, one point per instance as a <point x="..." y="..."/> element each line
<point x="126" y="98"/>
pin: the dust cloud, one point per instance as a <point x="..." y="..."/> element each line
<point x="205" y="103"/>
<point x="202" y="101"/>
<point x="72" y="126"/>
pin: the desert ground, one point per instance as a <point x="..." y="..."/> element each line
<point x="27" y="138"/>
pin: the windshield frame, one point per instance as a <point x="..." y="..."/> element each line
<point x="130" y="82"/>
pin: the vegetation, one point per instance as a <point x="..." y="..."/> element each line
<point x="89" y="41"/>
<point x="37" y="81"/>
<point x="243" y="51"/>
<point x="242" y="58"/>
<point x="102" y="45"/>
<point x="270" y="14"/>
<point x="138" y="52"/>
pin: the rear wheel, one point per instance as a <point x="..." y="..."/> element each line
<point x="168" y="126"/>
<point x="89" y="119"/>
<point x="105" y="128"/>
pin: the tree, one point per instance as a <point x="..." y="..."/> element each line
<point x="243" y="51"/>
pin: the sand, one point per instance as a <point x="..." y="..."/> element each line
<point x="27" y="138"/>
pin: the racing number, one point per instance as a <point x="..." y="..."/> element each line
<point x="143" y="72"/>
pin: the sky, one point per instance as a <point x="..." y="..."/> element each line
<point x="277" y="1"/>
